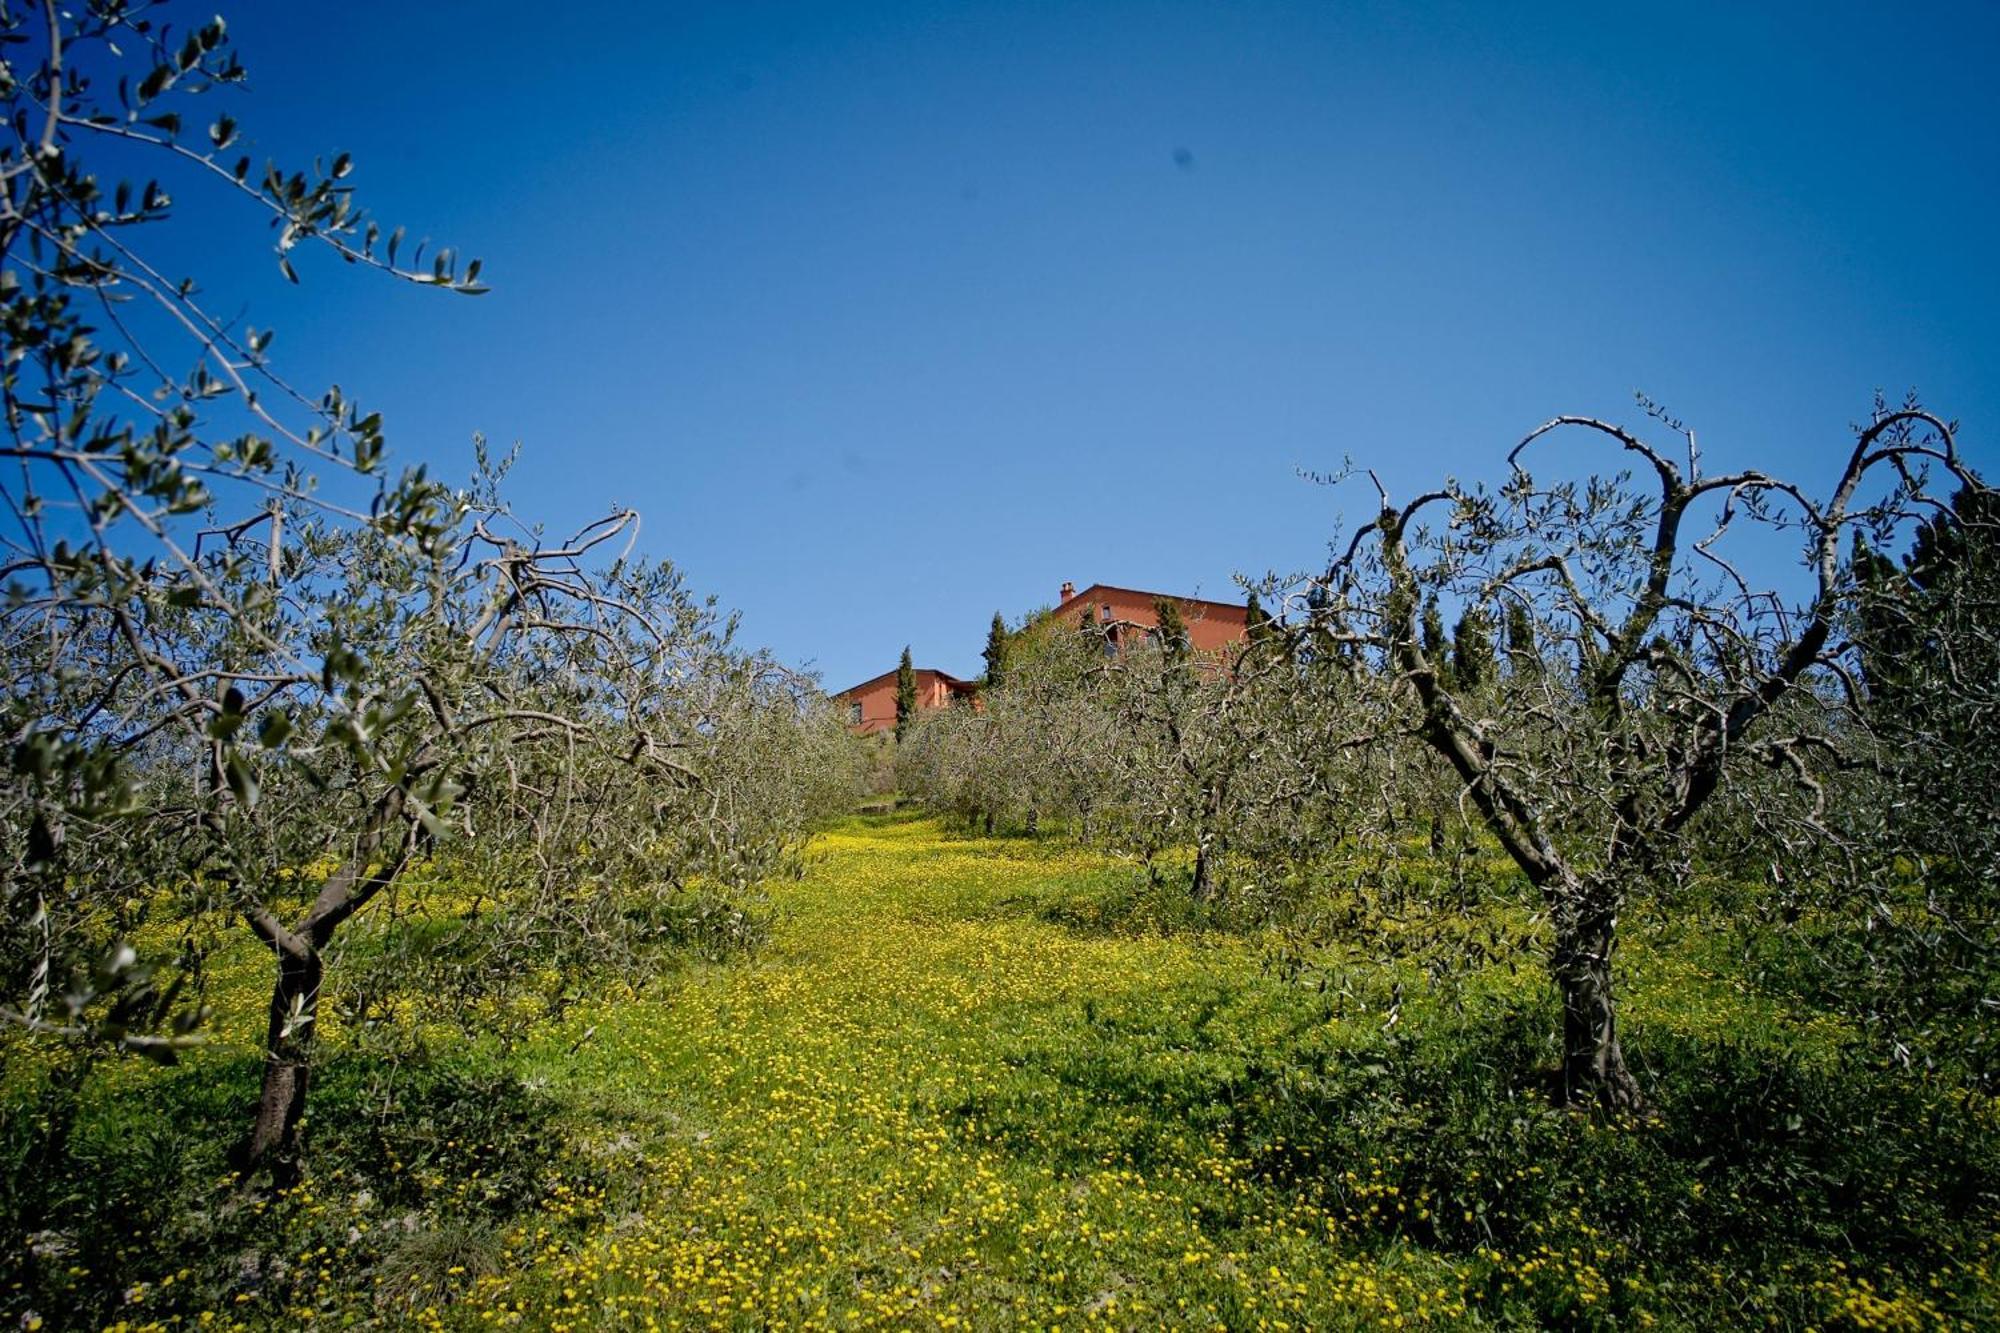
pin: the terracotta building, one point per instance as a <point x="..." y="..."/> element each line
<point x="871" y="705"/>
<point x="1127" y="615"/>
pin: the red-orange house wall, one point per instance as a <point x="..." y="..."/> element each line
<point x="1211" y="625"/>
<point x="877" y="697"/>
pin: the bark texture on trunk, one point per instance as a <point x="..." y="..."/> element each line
<point x="1593" y="1066"/>
<point x="273" y="1142"/>
<point x="1204" y="872"/>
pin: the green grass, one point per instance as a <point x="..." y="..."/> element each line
<point x="999" y="1083"/>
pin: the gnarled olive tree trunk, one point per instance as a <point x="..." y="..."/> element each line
<point x="1204" y="889"/>
<point x="1675" y="679"/>
<point x="291" y="1028"/>
<point x="1593" y="1064"/>
<point x="289" y="1037"/>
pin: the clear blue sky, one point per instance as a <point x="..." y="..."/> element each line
<point x="889" y="316"/>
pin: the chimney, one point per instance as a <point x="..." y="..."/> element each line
<point x="1068" y="591"/>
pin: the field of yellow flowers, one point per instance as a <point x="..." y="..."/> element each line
<point x="965" y="1086"/>
<point x="881" y="1123"/>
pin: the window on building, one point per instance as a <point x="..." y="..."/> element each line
<point x="854" y="713"/>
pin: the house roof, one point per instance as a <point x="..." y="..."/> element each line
<point x="945" y="676"/>
<point x="1089" y="593"/>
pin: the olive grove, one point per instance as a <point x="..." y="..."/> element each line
<point x="1668" y="703"/>
<point x="257" y="678"/>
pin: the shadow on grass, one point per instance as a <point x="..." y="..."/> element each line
<point x="405" y="1162"/>
<point x="1762" y="1173"/>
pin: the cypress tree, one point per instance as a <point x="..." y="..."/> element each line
<point x="906" y="694"/>
<point x="996" y="652"/>
<point x="1472" y="659"/>
<point x="1257" y="620"/>
<point x="1522" y="655"/>
<point x="1436" y="646"/>
<point x="1903" y="613"/>
<point x="1947" y="545"/>
<point x="1887" y="630"/>
<point x="1174" y="640"/>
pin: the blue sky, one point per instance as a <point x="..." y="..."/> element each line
<point x="888" y="316"/>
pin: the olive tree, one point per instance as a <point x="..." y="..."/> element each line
<point x="1693" y="669"/>
<point x="1038" y="744"/>
<point x="1925" y="970"/>
<point x="116" y="463"/>
<point x="1249" y="756"/>
<point x="458" y="696"/>
<point x="1188" y="741"/>
<point x="1054" y="739"/>
<point x="251" y="669"/>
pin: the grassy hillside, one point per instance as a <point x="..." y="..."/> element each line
<point x="997" y="1083"/>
